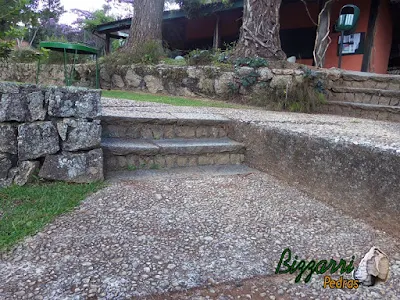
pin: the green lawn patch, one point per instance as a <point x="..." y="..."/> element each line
<point x="172" y="100"/>
<point x="24" y="210"/>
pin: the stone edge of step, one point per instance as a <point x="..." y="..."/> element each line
<point x="120" y="146"/>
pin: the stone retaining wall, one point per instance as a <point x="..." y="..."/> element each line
<point x="260" y="85"/>
<point x="54" y="132"/>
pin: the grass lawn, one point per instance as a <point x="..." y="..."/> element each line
<point x="24" y="210"/>
<point x="173" y="100"/>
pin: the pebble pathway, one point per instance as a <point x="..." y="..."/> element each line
<point x="193" y="237"/>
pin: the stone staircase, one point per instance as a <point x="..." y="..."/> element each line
<point x="365" y="95"/>
<point x="159" y="140"/>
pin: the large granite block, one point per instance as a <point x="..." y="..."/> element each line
<point x="8" y="138"/>
<point x="79" y="134"/>
<point x="23" y="107"/>
<point x="74" y="102"/>
<point x="74" y="167"/>
<point x="36" y="140"/>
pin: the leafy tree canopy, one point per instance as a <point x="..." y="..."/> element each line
<point x="89" y="20"/>
<point x="13" y="12"/>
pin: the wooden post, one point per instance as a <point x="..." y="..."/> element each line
<point x="369" y="45"/>
<point x="217" y="37"/>
<point x="108" y="43"/>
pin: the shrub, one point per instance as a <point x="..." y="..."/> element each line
<point x="7" y="40"/>
<point x="5" y="49"/>
<point x="25" y="55"/>
<point x="150" y="53"/>
<point x="305" y="96"/>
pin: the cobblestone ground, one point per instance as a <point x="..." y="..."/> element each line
<point x="183" y="237"/>
<point x="202" y="236"/>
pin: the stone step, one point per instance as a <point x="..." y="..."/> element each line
<point x="369" y="80"/>
<point x="131" y="154"/>
<point x="150" y="125"/>
<point x="365" y="95"/>
<point x="362" y="110"/>
<point x="199" y="171"/>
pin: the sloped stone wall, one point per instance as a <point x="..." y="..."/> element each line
<point x="52" y="132"/>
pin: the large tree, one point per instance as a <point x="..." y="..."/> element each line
<point x="146" y="23"/>
<point x="259" y="35"/>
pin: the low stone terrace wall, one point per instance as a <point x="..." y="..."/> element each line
<point x="353" y="94"/>
<point x="51" y="132"/>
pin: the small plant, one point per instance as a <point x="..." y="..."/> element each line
<point x="199" y="57"/>
<point x="131" y="168"/>
<point x="148" y="53"/>
<point x="225" y="55"/>
<point x="233" y="88"/>
<point x="253" y="62"/>
<point x="245" y="80"/>
<point x="155" y="167"/>
<point x="249" y="79"/>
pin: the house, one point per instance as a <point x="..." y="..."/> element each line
<point x="374" y="47"/>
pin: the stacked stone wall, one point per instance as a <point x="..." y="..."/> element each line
<point x="50" y="132"/>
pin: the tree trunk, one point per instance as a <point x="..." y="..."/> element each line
<point x="146" y="23"/>
<point x="323" y="40"/>
<point x="259" y="35"/>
